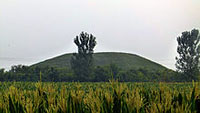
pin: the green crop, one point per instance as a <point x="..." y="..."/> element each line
<point x="106" y="97"/>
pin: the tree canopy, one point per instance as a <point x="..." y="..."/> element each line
<point x="82" y="62"/>
<point x="188" y="49"/>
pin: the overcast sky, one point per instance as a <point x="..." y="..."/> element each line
<point x="34" y="30"/>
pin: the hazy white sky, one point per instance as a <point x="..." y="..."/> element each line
<point x="34" y="30"/>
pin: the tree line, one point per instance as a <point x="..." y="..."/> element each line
<point x="99" y="74"/>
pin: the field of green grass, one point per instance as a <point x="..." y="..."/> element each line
<point x="107" y="97"/>
<point x="127" y="61"/>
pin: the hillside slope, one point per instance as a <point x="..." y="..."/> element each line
<point x="123" y="60"/>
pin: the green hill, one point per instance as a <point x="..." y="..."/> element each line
<point x="123" y="60"/>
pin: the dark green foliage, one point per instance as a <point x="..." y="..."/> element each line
<point x="50" y="74"/>
<point x="192" y="101"/>
<point x="197" y="103"/>
<point x="117" y="102"/>
<point x="82" y="62"/>
<point x="100" y="74"/>
<point x="189" y="54"/>
<point x="107" y="106"/>
<point x="15" y="106"/>
<point x="180" y="99"/>
<point x="114" y="70"/>
<point x="2" y="77"/>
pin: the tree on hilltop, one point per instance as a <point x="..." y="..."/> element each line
<point x="82" y="62"/>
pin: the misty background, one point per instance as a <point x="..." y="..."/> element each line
<point x="35" y="30"/>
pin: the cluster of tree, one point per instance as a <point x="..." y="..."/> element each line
<point x="99" y="74"/>
<point x="83" y="69"/>
<point x="189" y="53"/>
<point x="187" y="62"/>
<point x="82" y="62"/>
<point x="26" y="73"/>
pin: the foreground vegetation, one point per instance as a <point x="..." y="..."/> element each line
<point x="109" y="97"/>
